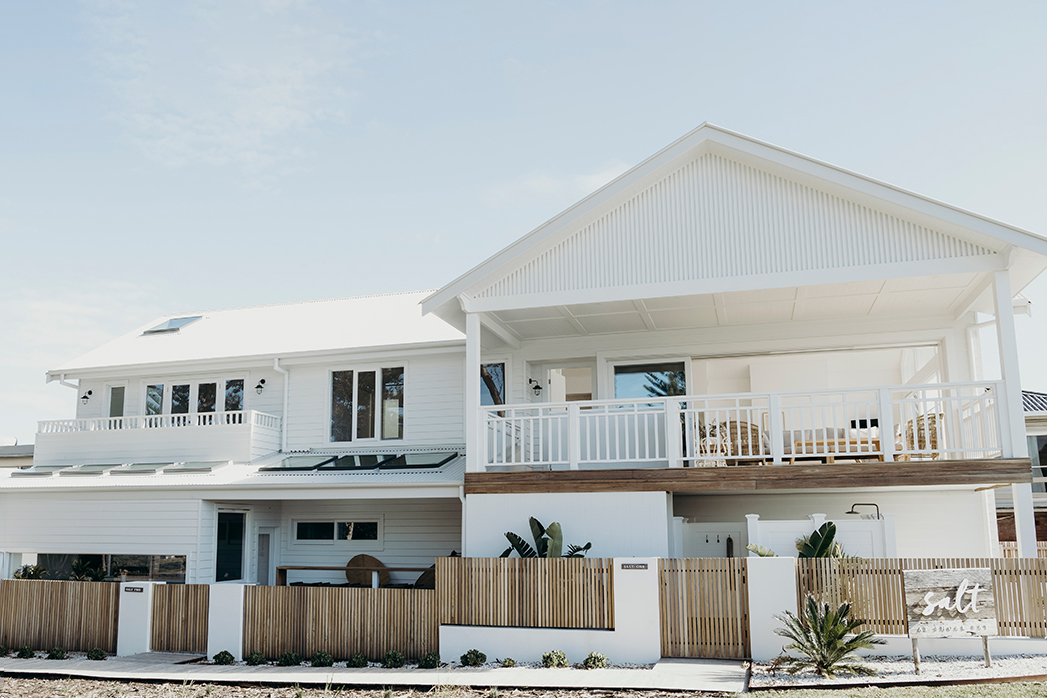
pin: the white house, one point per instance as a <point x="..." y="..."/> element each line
<point x="728" y="330"/>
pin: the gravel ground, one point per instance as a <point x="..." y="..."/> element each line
<point x="890" y="669"/>
<point x="1007" y="690"/>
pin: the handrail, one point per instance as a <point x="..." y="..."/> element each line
<point x="251" y="418"/>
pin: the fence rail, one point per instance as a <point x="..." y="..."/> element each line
<point x="1009" y="548"/>
<point x="161" y="421"/>
<point x="526" y="593"/>
<point x="180" y="618"/>
<point x="76" y="616"/>
<point x="704" y="607"/>
<point x="876" y="592"/>
<point x="339" y="621"/>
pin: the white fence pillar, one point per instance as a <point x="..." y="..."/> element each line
<point x="772" y="591"/>
<point x="1024" y="521"/>
<point x="135" y="623"/>
<point x="225" y="619"/>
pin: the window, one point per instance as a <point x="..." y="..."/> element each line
<point x="492" y="378"/>
<point x="358" y="530"/>
<point x="172" y="325"/>
<point x="116" y="401"/>
<point x="234" y="395"/>
<point x="361" y="531"/>
<point x="355" y="412"/>
<point x="314" y="530"/>
<point x="650" y="380"/>
<point x="180" y="399"/>
<point x="206" y="397"/>
<point x="185" y="397"/>
<point x="154" y="399"/>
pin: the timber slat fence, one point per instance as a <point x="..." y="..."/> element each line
<point x="526" y="592"/>
<point x="339" y="621"/>
<point x="76" y="616"/>
<point x="180" y="618"/>
<point x="875" y="589"/>
<point x="705" y="608"/>
<point x="1008" y="548"/>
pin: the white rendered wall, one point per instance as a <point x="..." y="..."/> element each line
<point x="928" y="522"/>
<point x="618" y="524"/>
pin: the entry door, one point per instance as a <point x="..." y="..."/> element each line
<point x="229" y="550"/>
<point x="263" y="559"/>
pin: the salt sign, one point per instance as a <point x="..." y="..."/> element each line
<point x="949" y="603"/>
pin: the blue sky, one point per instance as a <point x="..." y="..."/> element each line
<point x="161" y="157"/>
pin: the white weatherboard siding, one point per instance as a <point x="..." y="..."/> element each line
<point x="618" y="524"/>
<point x="414" y="533"/>
<point x="928" y="522"/>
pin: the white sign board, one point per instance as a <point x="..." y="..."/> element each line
<point x="950" y="603"/>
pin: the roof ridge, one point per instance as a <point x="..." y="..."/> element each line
<point x="302" y="302"/>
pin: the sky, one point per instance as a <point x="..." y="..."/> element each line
<point x="167" y="157"/>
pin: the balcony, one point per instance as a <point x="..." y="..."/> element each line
<point x="933" y="422"/>
<point x="238" y="436"/>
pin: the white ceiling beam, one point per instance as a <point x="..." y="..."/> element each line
<point x="961" y="305"/>
<point x="502" y="332"/>
<point x="648" y="321"/>
<point x="573" y="320"/>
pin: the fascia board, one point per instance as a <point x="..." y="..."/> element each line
<point x="263" y="491"/>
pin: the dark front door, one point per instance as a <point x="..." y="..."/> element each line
<point x="229" y="563"/>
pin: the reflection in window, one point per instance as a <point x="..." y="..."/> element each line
<point x="207" y="396"/>
<point x="180" y="399"/>
<point x="342" y="406"/>
<point x="365" y="394"/>
<point x="314" y="530"/>
<point x="229" y="553"/>
<point x="79" y="567"/>
<point x="650" y="380"/>
<point x="1038" y="455"/>
<point x="234" y="395"/>
<point x="358" y="530"/>
<point x="116" y="401"/>
<point x="492" y="390"/>
<point x="154" y="399"/>
<point x="393" y="403"/>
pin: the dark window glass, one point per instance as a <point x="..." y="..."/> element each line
<point x="206" y="397"/>
<point x="492" y="384"/>
<point x="649" y="380"/>
<point x="154" y="399"/>
<point x="315" y="530"/>
<point x="234" y="395"/>
<point x="393" y="403"/>
<point x="1038" y="452"/>
<point x="229" y="558"/>
<point x="365" y="405"/>
<point x="179" y="399"/>
<point x="342" y="406"/>
<point x="116" y="401"/>
<point x="358" y="530"/>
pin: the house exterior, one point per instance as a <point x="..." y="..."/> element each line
<point x="722" y="343"/>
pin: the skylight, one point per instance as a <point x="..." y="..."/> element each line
<point x="172" y="325"/>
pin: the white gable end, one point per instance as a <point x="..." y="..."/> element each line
<point x="717" y="218"/>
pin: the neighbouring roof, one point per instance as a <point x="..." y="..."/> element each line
<point x="273" y="330"/>
<point x="19" y="451"/>
<point x="1034" y="402"/>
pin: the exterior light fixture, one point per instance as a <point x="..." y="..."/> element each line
<point x="260" y="387"/>
<point x="865" y="504"/>
<point x="86" y="396"/>
<point x="535" y="386"/>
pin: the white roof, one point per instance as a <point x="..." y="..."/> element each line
<point x="275" y="331"/>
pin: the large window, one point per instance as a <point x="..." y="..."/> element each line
<point x="365" y="531"/>
<point x="650" y="380"/>
<point x="492" y="384"/>
<point x="154" y="399"/>
<point x="184" y="397"/>
<point x="361" y="408"/>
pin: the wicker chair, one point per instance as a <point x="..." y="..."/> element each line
<point x="921" y="436"/>
<point x="744" y="440"/>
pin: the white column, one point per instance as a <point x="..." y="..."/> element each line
<point x="772" y="591"/>
<point x="225" y="619"/>
<point x="1024" y="521"/>
<point x="474" y="462"/>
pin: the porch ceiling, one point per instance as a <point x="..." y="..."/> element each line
<point x="939" y="295"/>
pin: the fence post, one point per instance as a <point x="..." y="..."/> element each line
<point x="886" y="422"/>
<point x="772" y="591"/>
<point x="574" y="439"/>
<point x="673" y="434"/>
<point x="135" y="621"/>
<point x="774" y="423"/>
<point x="225" y="619"/>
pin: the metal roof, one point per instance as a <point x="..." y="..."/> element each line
<point x="1034" y="402"/>
<point x="20" y="451"/>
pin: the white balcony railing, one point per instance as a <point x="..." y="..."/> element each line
<point x="933" y="421"/>
<point x="161" y="421"/>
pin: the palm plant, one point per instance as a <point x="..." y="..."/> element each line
<point x="820" y="636"/>
<point x="821" y="543"/>
<point x="548" y="542"/>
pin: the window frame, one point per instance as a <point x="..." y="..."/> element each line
<point x="108" y="388"/>
<point x="194" y="392"/>
<point x="378" y="544"/>
<point x="377" y="368"/>
<point x="607" y="365"/>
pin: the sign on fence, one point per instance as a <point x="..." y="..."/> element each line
<point x="950" y="603"/>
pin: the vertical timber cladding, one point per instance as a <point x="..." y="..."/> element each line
<point x="876" y="593"/>
<point x="76" y="616"/>
<point x="705" y="608"/>
<point x="180" y="618"/>
<point x="339" y="621"/>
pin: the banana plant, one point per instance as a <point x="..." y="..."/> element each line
<point x="821" y="543"/>
<point x="548" y="542"/>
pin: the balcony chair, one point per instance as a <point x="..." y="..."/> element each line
<point x="744" y="442"/>
<point x="921" y="436"/>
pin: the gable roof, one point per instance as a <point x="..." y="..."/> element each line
<point x="725" y="195"/>
<point x="279" y="330"/>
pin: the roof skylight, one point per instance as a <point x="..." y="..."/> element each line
<point x="172" y="325"/>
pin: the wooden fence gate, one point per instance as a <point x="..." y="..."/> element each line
<point x="180" y="618"/>
<point x="76" y="616"/>
<point x="705" y="608"/>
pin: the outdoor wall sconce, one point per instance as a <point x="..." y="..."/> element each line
<point x="535" y="386"/>
<point x="86" y="396"/>
<point x="865" y="504"/>
<point x="260" y="387"/>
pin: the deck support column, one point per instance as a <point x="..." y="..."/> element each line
<point x="474" y="458"/>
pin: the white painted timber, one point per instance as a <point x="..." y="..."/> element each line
<point x="635" y="639"/>
<point x="865" y="538"/>
<point x="135" y="622"/>
<point x="772" y="591"/>
<point x="225" y="620"/>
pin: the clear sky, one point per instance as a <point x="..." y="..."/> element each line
<point x="166" y="157"/>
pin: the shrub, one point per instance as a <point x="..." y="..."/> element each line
<point x="289" y="659"/>
<point x="225" y="658"/>
<point x="26" y="652"/>
<point x="473" y="658"/>
<point x="393" y="660"/>
<point x="96" y="654"/>
<point x="820" y="637"/>
<point x="357" y="661"/>
<point x="56" y="653"/>
<point x="595" y="660"/>
<point x="4" y="651"/>
<point x="29" y="572"/>
<point x="555" y="658"/>
<point x="430" y="661"/>
<point x="322" y="659"/>
<point x="255" y="659"/>
<point x="508" y="662"/>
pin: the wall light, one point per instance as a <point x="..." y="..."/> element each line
<point x="865" y="504"/>
<point x="86" y="396"/>
<point x="535" y="386"/>
<point x="260" y="387"/>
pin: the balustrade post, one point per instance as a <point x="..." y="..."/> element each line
<point x="574" y="440"/>
<point x="673" y="433"/>
<point x="774" y="423"/>
<point x="886" y="422"/>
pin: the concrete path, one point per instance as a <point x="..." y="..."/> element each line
<point x="726" y="676"/>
